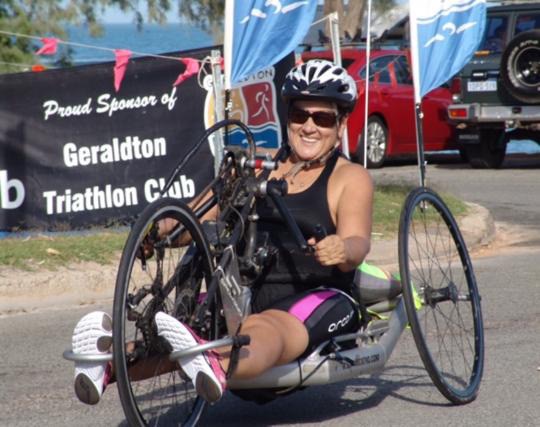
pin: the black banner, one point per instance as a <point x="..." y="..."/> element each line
<point x="75" y="153"/>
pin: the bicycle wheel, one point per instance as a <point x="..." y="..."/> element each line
<point x="441" y="296"/>
<point x="152" y="389"/>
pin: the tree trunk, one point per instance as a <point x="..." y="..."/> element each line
<point x="352" y="25"/>
<point x="329" y="7"/>
<point x="350" y="18"/>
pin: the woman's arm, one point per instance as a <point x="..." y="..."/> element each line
<point x="351" y="203"/>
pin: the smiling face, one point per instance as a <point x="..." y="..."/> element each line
<point x="310" y="141"/>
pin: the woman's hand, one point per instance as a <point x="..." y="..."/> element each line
<point x="346" y="253"/>
<point x="331" y="250"/>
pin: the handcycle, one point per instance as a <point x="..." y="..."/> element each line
<point x="206" y="285"/>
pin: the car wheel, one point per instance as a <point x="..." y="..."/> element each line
<point x="489" y="153"/>
<point x="377" y="143"/>
<point x="520" y="67"/>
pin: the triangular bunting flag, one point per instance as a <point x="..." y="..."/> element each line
<point x="122" y="59"/>
<point x="192" y="68"/>
<point x="50" y="45"/>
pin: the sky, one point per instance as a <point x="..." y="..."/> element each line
<point x="114" y="15"/>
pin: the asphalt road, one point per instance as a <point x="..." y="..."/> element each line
<point x="36" y="383"/>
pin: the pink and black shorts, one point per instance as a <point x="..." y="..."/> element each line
<point x="326" y="313"/>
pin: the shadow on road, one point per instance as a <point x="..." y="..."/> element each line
<point x="318" y="404"/>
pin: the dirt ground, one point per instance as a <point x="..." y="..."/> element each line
<point x="75" y="284"/>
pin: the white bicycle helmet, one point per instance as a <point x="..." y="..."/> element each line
<point x="322" y="80"/>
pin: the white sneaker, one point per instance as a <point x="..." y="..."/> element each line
<point x="92" y="335"/>
<point x="204" y="369"/>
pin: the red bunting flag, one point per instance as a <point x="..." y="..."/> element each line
<point x="377" y="78"/>
<point x="122" y="59"/>
<point x="392" y="71"/>
<point x="361" y="85"/>
<point x="192" y="68"/>
<point x="50" y="45"/>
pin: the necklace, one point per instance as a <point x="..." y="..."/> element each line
<point x="305" y="165"/>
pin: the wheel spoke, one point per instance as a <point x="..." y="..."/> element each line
<point x="152" y="389"/>
<point x="448" y="327"/>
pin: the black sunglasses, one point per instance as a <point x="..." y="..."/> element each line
<point x="324" y="119"/>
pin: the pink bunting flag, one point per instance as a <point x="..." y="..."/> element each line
<point x="192" y="68"/>
<point x="50" y="45"/>
<point x="122" y="59"/>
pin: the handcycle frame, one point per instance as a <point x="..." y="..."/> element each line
<point x="376" y="340"/>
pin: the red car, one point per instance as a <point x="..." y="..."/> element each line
<point x="391" y="121"/>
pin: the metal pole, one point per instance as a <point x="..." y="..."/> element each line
<point x="218" y="107"/>
<point x="336" y="50"/>
<point x="420" y="143"/>
<point x="334" y="37"/>
<point x="366" y="88"/>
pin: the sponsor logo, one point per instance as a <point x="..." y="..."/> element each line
<point x="364" y="360"/>
<point x="341" y="323"/>
<point x="253" y="102"/>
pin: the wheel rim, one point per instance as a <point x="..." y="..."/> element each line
<point x="166" y="397"/>
<point x="376" y="144"/>
<point x="527" y="67"/>
<point x="443" y="307"/>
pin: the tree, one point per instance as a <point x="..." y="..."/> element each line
<point x="50" y="17"/>
<point x="351" y="14"/>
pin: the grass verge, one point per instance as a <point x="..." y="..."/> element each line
<point x="388" y="204"/>
<point x="52" y="251"/>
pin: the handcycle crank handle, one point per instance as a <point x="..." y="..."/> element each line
<point x="275" y="189"/>
<point x="319" y="232"/>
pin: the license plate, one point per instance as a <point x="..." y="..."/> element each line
<point x="485" y="86"/>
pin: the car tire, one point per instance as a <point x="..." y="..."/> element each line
<point x="520" y="67"/>
<point x="377" y="144"/>
<point x="489" y="153"/>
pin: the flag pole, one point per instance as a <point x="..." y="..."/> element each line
<point x="420" y="144"/>
<point x="228" y="41"/>
<point x="417" y="97"/>
<point x="336" y="49"/>
<point x="366" y="86"/>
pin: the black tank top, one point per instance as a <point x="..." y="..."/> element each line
<point x="309" y="208"/>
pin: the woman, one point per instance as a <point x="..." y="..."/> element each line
<point x="302" y="297"/>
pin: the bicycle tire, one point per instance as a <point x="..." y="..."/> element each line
<point x="441" y="296"/>
<point x="169" y="280"/>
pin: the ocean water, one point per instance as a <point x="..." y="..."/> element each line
<point x="151" y="39"/>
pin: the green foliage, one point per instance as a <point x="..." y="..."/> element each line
<point x="388" y="203"/>
<point x="206" y="14"/>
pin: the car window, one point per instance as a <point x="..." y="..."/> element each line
<point x="347" y="62"/>
<point x="495" y="34"/>
<point x="527" y="22"/>
<point x="403" y="71"/>
<point x="378" y="66"/>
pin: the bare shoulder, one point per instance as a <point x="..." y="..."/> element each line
<point x="348" y="174"/>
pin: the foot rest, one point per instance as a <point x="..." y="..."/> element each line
<point x="210" y="345"/>
<point x="69" y="355"/>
